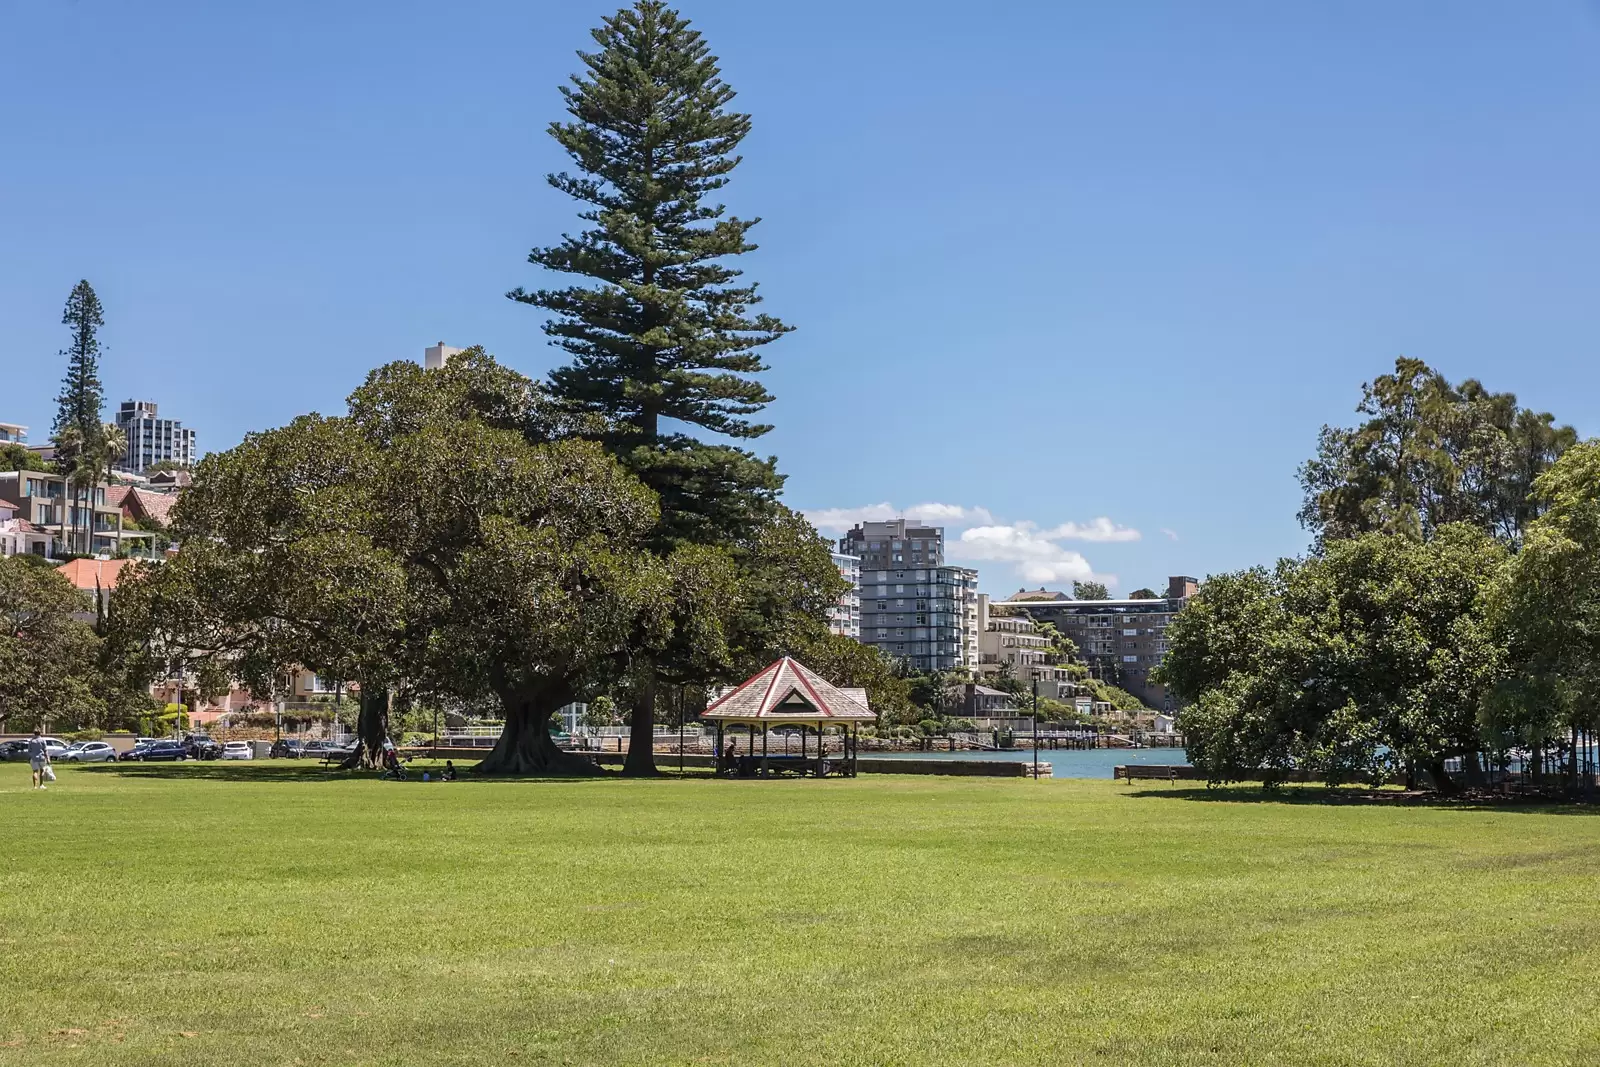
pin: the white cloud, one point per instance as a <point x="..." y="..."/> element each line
<point x="1172" y="534"/>
<point x="1101" y="529"/>
<point x="948" y="513"/>
<point x="1035" y="556"/>
<point x="838" y="520"/>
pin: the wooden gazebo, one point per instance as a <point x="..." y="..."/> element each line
<point x="786" y="693"/>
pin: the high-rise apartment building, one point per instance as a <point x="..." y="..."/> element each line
<point x="845" y="618"/>
<point x="1120" y="640"/>
<point x="913" y="606"/>
<point x="152" y="439"/>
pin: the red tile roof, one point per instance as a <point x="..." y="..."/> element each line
<point x="87" y="573"/>
<point x="145" y="504"/>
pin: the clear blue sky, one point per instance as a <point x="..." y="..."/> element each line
<point x="1057" y="262"/>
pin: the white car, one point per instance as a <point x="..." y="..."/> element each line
<point x="90" y="752"/>
<point x="238" y="750"/>
<point x="55" y="748"/>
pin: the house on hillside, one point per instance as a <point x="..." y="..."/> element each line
<point x="20" y="537"/>
<point x="150" y="509"/>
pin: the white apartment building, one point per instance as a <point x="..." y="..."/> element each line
<point x="436" y="356"/>
<point x="152" y="439"/>
<point x="845" y="618"/>
<point x="913" y="606"/>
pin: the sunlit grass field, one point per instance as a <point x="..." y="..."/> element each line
<point x="272" y="914"/>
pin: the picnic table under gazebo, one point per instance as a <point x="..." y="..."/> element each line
<point x="787" y="694"/>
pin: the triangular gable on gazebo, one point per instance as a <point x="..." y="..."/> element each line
<point x="789" y="691"/>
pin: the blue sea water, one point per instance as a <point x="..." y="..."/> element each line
<point x="1064" y="762"/>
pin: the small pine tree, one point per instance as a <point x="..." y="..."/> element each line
<point x="665" y="335"/>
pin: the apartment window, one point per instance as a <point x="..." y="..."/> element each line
<point x="1130" y="633"/>
<point x="1130" y="659"/>
<point x="898" y="544"/>
<point x="883" y="605"/>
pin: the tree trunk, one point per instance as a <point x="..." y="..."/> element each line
<point x="1473" y="770"/>
<point x="641" y="760"/>
<point x="525" y="746"/>
<point x="372" y="728"/>
<point x="1441" y="778"/>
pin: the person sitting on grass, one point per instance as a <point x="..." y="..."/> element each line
<point x="392" y="767"/>
<point x="449" y="772"/>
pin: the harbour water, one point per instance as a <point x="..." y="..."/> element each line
<point x="1064" y="762"/>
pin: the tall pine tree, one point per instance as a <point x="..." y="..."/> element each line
<point x="662" y="333"/>
<point x="78" y="428"/>
<point x="663" y="337"/>
<point x="82" y="396"/>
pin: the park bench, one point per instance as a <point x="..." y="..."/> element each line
<point x="1159" y="774"/>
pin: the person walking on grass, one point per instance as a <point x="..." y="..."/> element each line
<point x="38" y="759"/>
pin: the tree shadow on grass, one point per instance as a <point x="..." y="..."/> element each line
<point x="275" y="771"/>
<point x="1349" y="796"/>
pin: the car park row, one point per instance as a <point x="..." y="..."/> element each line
<point x="151" y="749"/>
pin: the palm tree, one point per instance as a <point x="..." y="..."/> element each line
<point x="70" y="447"/>
<point x="113" y="446"/>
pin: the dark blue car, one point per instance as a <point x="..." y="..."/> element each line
<point x="152" y="751"/>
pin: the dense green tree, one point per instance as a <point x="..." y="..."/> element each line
<point x="1090" y="591"/>
<point x="1551" y="619"/>
<point x="447" y="539"/>
<point x="48" y="653"/>
<point x="15" y="457"/>
<point x="282" y="568"/>
<point x="1145" y="593"/>
<point x="1375" y="656"/>
<point x="1429" y="454"/>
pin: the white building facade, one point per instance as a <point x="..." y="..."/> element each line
<point x="152" y="439"/>
<point x="845" y="619"/>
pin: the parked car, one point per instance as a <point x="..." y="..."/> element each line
<point x="238" y="750"/>
<point x="91" y="752"/>
<point x="287" y="748"/>
<point x="202" y="747"/>
<point x="13" y="750"/>
<point x="55" y="748"/>
<point x="321" y="749"/>
<point x="159" y="750"/>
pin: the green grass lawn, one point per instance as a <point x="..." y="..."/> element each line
<point x="270" y="915"/>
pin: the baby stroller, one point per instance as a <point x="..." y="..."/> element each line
<point x="393" y="769"/>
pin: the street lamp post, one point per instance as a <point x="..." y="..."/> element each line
<point x="1036" y="728"/>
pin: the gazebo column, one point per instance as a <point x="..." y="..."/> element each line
<point x="766" y="767"/>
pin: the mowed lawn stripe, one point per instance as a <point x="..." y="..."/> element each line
<point x="273" y="914"/>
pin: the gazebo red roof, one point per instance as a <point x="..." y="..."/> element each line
<point x="787" y="691"/>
